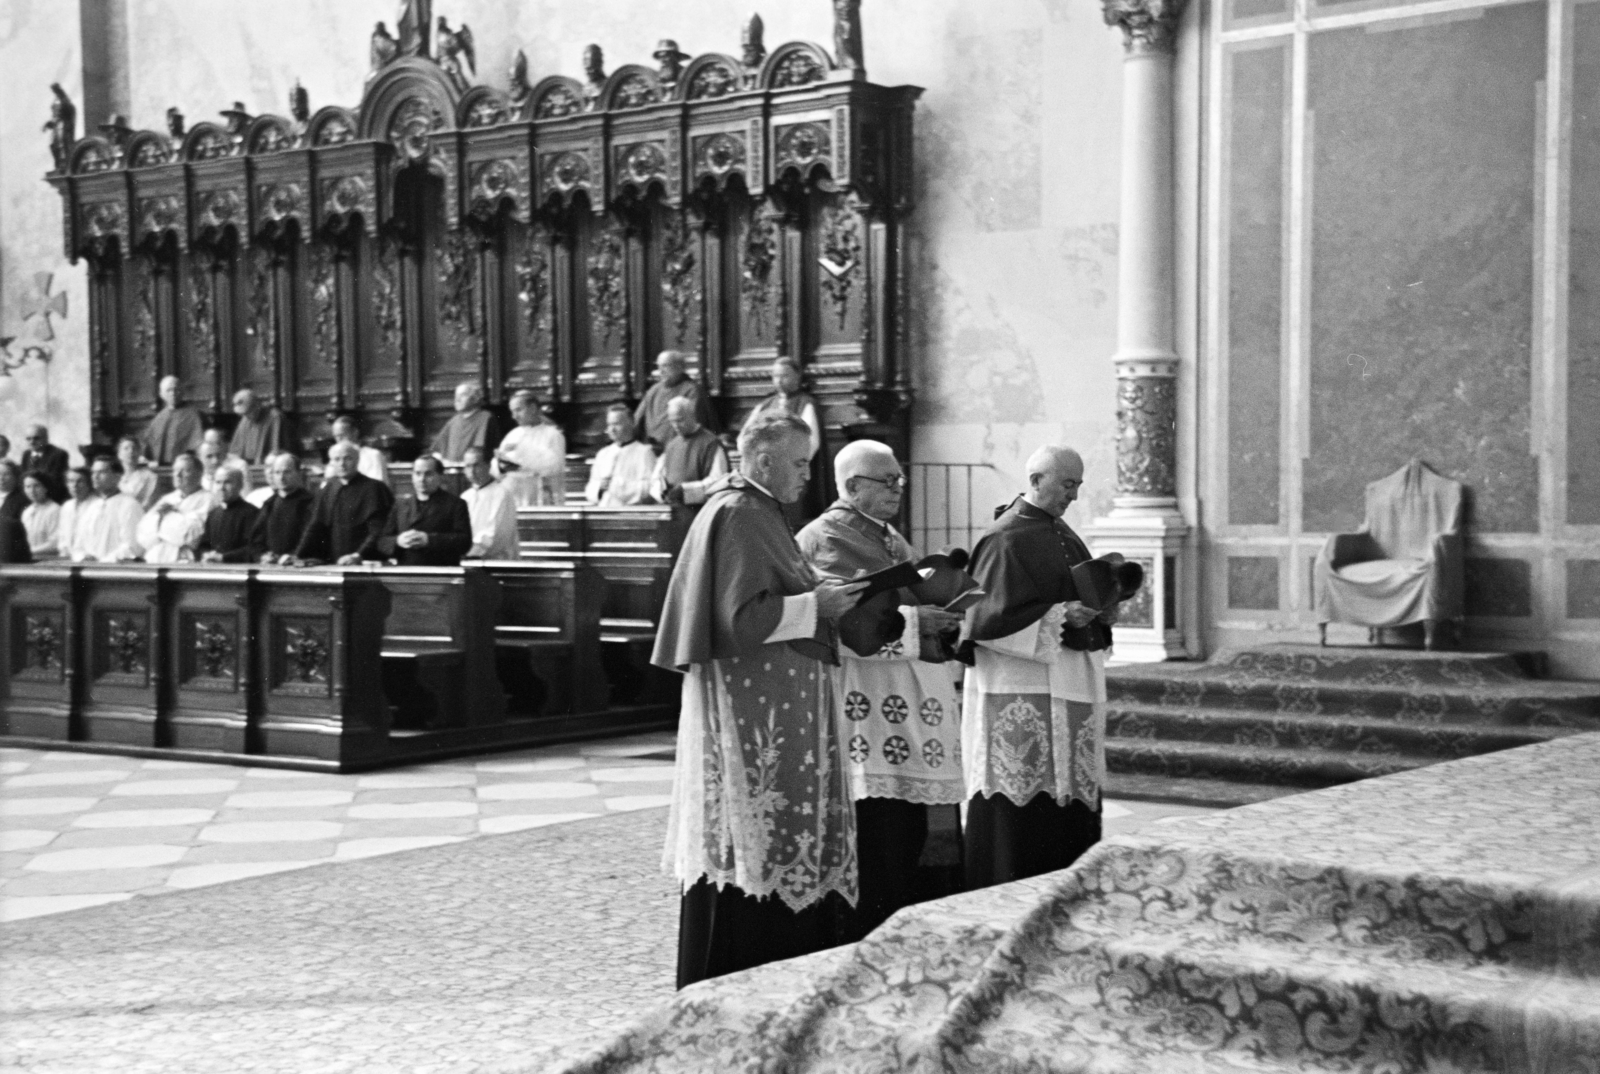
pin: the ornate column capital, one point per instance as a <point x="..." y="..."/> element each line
<point x="1147" y="25"/>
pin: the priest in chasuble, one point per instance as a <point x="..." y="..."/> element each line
<point x="761" y="834"/>
<point x="901" y="726"/>
<point x="1033" y="735"/>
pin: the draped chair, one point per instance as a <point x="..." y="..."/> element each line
<point x="1405" y="563"/>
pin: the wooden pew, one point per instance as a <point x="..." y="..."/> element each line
<point x="343" y="668"/>
<point x="39" y="637"/>
<point x="548" y="636"/>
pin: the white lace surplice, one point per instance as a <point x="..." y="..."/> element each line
<point x="900" y="724"/>
<point x="758" y="787"/>
<point x="1034" y="717"/>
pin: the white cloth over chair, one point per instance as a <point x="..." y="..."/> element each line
<point x="1405" y="564"/>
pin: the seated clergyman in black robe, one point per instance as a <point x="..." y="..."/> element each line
<point x="432" y="528"/>
<point x="227" y="534"/>
<point x="285" y="515"/>
<point x="349" y="515"/>
<point x="1035" y="698"/>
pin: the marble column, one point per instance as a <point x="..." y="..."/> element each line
<point x="1145" y="522"/>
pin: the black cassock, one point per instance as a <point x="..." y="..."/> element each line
<point x="348" y="519"/>
<point x="280" y="524"/>
<point x="228" y="531"/>
<point x="442" y="516"/>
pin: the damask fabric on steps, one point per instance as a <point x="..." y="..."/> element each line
<point x="1445" y="920"/>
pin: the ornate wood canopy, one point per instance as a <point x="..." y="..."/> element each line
<point x="553" y="235"/>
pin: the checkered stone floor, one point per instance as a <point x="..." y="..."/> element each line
<point x="79" y="830"/>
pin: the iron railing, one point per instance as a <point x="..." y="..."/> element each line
<point x="952" y="503"/>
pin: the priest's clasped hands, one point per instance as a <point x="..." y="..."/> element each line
<point x="1079" y="614"/>
<point x="835" y="598"/>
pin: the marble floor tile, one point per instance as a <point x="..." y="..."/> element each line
<point x="288" y="799"/>
<point x="419" y="826"/>
<point x="288" y="774"/>
<point x="166" y="787"/>
<point x="519" y="791"/>
<point x="74" y="838"/>
<point x="24" y="839"/>
<point x="329" y="813"/>
<point x="542" y="806"/>
<point x="143" y="818"/>
<point x="161" y="764"/>
<point x="218" y="853"/>
<point x="41" y="807"/>
<point x="369" y="848"/>
<point x="93" y="882"/>
<point x="11" y="768"/>
<point x="64" y="779"/>
<point x="516" y="822"/>
<point x="19" y="909"/>
<point x="388" y="781"/>
<point x="637" y="774"/>
<point x="418" y="794"/>
<point x="289" y="831"/>
<point x="623" y="803"/>
<point x="137" y="856"/>
<point x="196" y="876"/>
<point x="411" y="810"/>
<point x="542" y="764"/>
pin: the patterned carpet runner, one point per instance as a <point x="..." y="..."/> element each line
<point x="1265" y="722"/>
<point x="1440" y="921"/>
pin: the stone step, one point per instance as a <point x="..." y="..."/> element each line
<point x="1375" y="665"/>
<point x="1278" y="766"/>
<point x="1197" y="790"/>
<point x="1527" y="702"/>
<point x="1141" y="721"/>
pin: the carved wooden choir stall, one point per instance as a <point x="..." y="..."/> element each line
<point x="553" y="235"/>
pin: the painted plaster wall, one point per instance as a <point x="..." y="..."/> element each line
<point x="38" y="46"/>
<point x="1013" y="245"/>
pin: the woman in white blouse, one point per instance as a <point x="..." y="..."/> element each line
<point x="138" y="480"/>
<point x="41" y="518"/>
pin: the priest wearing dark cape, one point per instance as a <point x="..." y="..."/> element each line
<point x="761" y="834"/>
<point x="902" y="725"/>
<point x="349" y="515"/>
<point x="472" y="426"/>
<point x="176" y="428"/>
<point x="1033" y="734"/>
<point x="259" y="433"/>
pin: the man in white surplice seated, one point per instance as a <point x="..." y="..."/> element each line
<point x="1404" y="565"/>
<point x="169" y="531"/>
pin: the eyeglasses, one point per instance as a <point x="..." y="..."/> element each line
<point x="898" y="481"/>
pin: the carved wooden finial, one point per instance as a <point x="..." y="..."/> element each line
<point x="1147" y="25"/>
<point x="755" y="49"/>
<point x="847" y="35"/>
<point x="519" y="89"/>
<point x="384" y="47"/>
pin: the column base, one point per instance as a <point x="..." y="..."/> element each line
<point x="1151" y="531"/>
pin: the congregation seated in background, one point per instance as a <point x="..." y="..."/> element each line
<point x="42" y="517"/>
<point x="176" y="428"/>
<point x="472" y="425"/>
<point x="431" y="527"/>
<point x="491" y="509"/>
<point x="215" y="459"/>
<point x="138" y="480"/>
<point x="651" y="420"/>
<point x="13" y="501"/>
<point x="226" y="538"/>
<point x="349" y="515"/>
<point x="80" y="490"/>
<point x="43" y="457"/>
<point x="106" y="529"/>
<point x="284" y="515"/>
<point x="369" y="460"/>
<point x="532" y="458"/>
<point x="692" y="460"/>
<point x="169" y="531"/>
<point x="259" y="434"/>
<point x="620" y="474"/>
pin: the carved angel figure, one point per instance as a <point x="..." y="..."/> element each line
<point x="755" y="49"/>
<point x="519" y="90"/>
<point x="594" y="73"/>
<point x="454" y="45"/>
<point x="384" y="47"/>
<point x="412" y="22"/>
<point x="175" y="123"/>
<point x="847" y="34"/>
<point x="62" y="125"/>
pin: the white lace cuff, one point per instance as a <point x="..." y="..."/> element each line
<point x="799" y="619"/>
